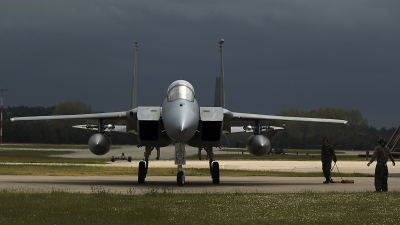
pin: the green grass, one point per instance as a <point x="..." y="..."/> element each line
<point x="276" y="157"/>
<point x="289" y="151"/>
<point x="45" y="156"/>
<point x="47" y="146"/>
<point x="29" y="156"/>
<point x="43" y="146"/>
<point x="79" y="170"/>
<point x="166" y="207"/>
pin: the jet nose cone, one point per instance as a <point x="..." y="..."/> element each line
<point x="185" y="130"/>
<point x="181" y="125"/>
<point x="182" y="128"/>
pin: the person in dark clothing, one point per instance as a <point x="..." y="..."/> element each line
<point x="327" y="155"/>
<point x="381" y="154"/>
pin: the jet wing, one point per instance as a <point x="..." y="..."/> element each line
<point x="105" y="116"/>
<point x="254" y="117"/>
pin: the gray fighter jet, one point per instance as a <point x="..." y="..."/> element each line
<point x="179" y="121"/>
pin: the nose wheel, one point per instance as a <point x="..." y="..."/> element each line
<point x="180" y="178"/>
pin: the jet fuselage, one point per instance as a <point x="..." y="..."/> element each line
<point x="180" y="111"/>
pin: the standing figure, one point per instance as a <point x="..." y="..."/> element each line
<point x="327" y="155"/>
<point x="381" y="154"/>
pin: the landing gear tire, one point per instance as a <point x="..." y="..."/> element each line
<point x="142" y="172"/>
<point x="180" y="178"/>
<point x="129" y="159"/>
<point x="215" y="172"/>
<point x="112" y="159"/>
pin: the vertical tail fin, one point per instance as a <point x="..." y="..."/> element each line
<point x="219" y="97"/>
<point x="134" y="80"/>
<point x="217" y="94"/>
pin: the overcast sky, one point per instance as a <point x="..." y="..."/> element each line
<point x="278" y="54"/>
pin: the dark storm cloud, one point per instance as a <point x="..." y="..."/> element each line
<point x="278" y="54"/>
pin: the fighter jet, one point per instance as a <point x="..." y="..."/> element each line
<point x="179" y="121"/>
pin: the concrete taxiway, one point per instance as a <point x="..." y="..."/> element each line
<point x="194" y="184"/>
<point x="282" y="166"/>
<point x="197" y="184"/>
<point x="127" y="184"/>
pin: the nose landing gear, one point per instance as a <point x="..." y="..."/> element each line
<point x="180" y="159"/>
<point x="180" y="178"/>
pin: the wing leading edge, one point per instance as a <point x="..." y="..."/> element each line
<point x="105" y="116"/>
<point x="257" y="117"/>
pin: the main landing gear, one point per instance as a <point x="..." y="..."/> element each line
<point x="180" y="160"/>
<point x="214" y="165"/>
<point x="144" y="164"/>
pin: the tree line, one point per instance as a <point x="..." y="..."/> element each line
<point x="54" y="131"/>
<point x="357" y="134"/>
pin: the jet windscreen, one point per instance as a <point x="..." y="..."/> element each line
<point x="182" y="92"/>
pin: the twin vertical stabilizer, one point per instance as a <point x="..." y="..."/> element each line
<point x="219" y="97"/>
<point x="217" y="94"/>
<point x="134" y="80"/>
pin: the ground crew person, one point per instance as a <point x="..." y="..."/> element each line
<point x="381" y="154"/>
<point x="327" y="155"/>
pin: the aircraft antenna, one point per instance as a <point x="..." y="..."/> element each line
<point x="222" y="96"/>
<point x="2" y="89"/>
<point x="134" y="80"/>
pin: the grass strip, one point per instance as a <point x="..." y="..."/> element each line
<point x="45" y="156"/>
<point x="48" y="146"/>
<point x="44" y="146"/>
<point x="166" y="207"/>
<point x="287" y="151"/>
<point x="79" y="170"/>
<point x="50" y="156"/>
<point x="276" y="157"/>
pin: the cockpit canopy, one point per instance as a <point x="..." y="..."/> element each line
<point x="180" y="89"/>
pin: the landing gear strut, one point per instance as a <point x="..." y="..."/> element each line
<point x="180" y="159"/>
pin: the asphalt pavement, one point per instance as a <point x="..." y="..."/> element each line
<point x="196" y="184"/>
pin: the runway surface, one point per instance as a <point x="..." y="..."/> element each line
<point x="195" y="184"/>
